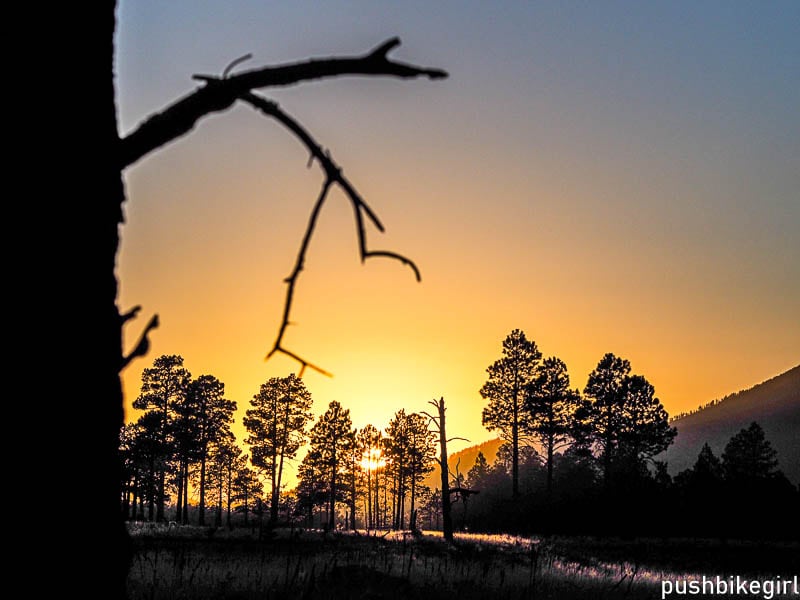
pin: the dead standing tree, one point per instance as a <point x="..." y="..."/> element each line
<point x="438" y="421"/>
<point x="98" y="221"/>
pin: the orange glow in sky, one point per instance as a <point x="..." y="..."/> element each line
<point x="615" y="181"/>
<point x="373" y="460"/>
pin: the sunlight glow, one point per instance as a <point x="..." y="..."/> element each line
<point x="372" y="460"/>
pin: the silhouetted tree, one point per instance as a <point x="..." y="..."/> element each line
<point x="276" y="425"/>
<point x="478" y="472"/>
<point x="312" y="488"/>
<point x="209" y="416"/>
<point x="226" y="457"/>
<point x="421" y="455"/>
<point x="701" y="489"/>
<point x="624" y="418"/>
<point x="706" y="472"/>
<point x="409" y="451"/>
<point x="246" y="489"/>
<point x="748" y="456"/>
<point x="370" y="444"/>
<point x="575" y="472"/>
<point x="644" y="430"/>
<point x="528" y="455"/>
<point x="439" y="423"/>
<point x="147" y="451"/>
<point x="164" y="386"/>
<point x="551" y="406"/>
<point x="235" y="462"/>
<point x="762" y="498"/>
<point x="331" y="438"/>
<point x="509" y="377"/>
<point x="602" y="414"/>
<point x="130" y="467"/>
<point x="430" y="507"/>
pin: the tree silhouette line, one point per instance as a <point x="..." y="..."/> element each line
<point x="571" y="461"/>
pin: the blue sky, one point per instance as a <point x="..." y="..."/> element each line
<point x="607" y="176"/>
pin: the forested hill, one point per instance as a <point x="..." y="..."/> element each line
<point x="774" y="404"/>
<point x="467" y="457"/>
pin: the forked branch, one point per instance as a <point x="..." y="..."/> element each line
<point x="333" y="175"/>
<point x="219" y="94"/>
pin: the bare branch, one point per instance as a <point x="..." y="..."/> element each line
<point x="143" y="345"/>
<point x="457" y="438"/>
<point x="333" y="174"/>
<point x="131" y="314"/>
<point x="291" y="281"/>
<point x="220" y="94"/>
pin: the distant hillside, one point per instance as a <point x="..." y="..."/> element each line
<point x="774" y="404"/>
<point x="467" y="456"/>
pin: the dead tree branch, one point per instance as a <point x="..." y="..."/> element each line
<point x="220" y="94"/>
<point x="143" y="345"/>
<point x="333" y="175"/>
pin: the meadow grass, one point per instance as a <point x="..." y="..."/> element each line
<point x="204" y="563"/>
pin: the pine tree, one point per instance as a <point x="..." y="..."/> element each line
<point x="552" y="408"/>
<point x="276" y="424"/>
<point x="624" y="418"/>
<point x="331" y="438"/>
<point x="749" y="456"/>
<point x="164" y="386"/>
<point x="509" y="377"/>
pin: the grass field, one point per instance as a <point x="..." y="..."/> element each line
<point x="202" y="563"/>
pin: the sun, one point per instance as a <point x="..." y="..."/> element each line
<point x="373" y="460"/>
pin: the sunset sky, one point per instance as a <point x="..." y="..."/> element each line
<point x="607" y="176"/>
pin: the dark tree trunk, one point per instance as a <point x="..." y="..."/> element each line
<point x="412" y="519"/>
<point x="228" y="498"/>
<point x="90" y="213"/>
<point x="201" y="513"/>
<point x="353" y="494"/>
<point x="185" y="520"/>
<point x="151" y="491"/>
<point x="515" y="444"/>
<point x="607" y="450"/>
<point x="218" y="518"/>
<point x="447" y="519"/>
<point x="332" y="498"/>
<point x="179" y="513"/>
<point x="275" y="496"/>
<point x="550" y="444"/>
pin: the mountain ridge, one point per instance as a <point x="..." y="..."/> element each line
<point x="774" y="404"/>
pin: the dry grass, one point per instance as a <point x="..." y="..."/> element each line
<point x="201" y="563"/>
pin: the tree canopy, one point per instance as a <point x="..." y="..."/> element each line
<point x="509" y="377"/>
